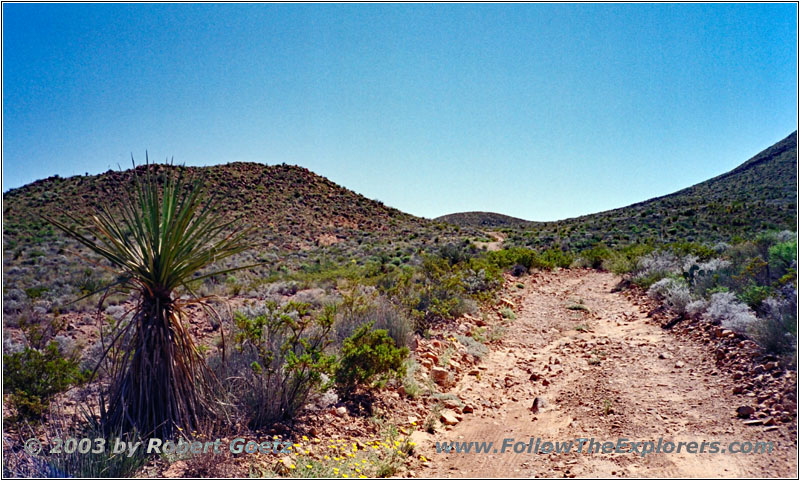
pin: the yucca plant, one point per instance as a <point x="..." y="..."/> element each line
<point x="162" y="234"/>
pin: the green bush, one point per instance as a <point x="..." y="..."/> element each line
<point x="595" y="256"/>
<point x="33" y="377"/>
<point x="554" y="258"/>
<point x="366" y="355"/>
<point x="278" y="359"/>
<point x="781" y="257"/>
<point x="754" y="295"/>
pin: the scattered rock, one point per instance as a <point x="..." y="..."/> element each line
<point x="753" y="422"/>
<point x="341" y="411"/>
<point x="468" y="409"/>
<point x="665" y="355"/>
<point x="448" y="418"/>
<point x="538" y="403"/>
<point x="440" y="376"/>
<point x="744" y="411"/>
<point x="679" y="364"/>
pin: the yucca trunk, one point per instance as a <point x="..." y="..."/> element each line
<point x="160" y="388"/>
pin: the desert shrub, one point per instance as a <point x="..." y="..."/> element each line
<point x="703" y="276"/>
<point x="595" y="256"/>
<point x="781" y="257"/>
<point x="435" y="294"/>
<point x="724" y="309"/>
<point x="552" y="258"/>
<point x="33" y="377"/>
<point x="356" y="310"/>
<point x="366" y="355"/>
<point x="479" y="279"/>
<point x="456" y="254"/>
<point x="672" y="292"/>
<point x="753" y="295"/>
<point x="655" y="266"/>
<point x="696" y="308"/>
<point x="506" y="258"/>
<point x="683" y="249"/>
<point x="473" y="347"/>
<point x="518" y="270"/>
<point x="278" y="359"/>
<point x="776" y="331"/>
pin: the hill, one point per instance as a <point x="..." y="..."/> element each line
<point x="301" y="220"/>
<point x="292" y="207"/>
<point x="760" y="194"/>
<point x="482" y="219"/>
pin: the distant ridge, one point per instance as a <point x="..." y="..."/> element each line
<point x="482" y="219"/>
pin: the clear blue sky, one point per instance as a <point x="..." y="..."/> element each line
<point x="538" y="111"/>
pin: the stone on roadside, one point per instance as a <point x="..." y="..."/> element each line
<point x="449" y="418"/>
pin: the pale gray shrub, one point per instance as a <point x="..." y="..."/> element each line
<point x="316" y="297"/>
<point x="773" y="332"/>
<point x="657" y="264"/>
<point x="473" y="347"/>
<point x="721" y="247"/>
<point x="726" y="310"/>
<point x="696" y="308"/>
<point x="673" y="293"/>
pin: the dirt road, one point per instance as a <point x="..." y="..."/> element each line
<point x="601" y="370"/>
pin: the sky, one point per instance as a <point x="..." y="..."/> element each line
<point x="540" y="111"/>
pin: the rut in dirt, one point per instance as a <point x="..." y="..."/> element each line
<point x="599" y="369"/>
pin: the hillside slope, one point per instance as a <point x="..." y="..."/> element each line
<point x="760" y="194"/>
<point x="292" y="207"/>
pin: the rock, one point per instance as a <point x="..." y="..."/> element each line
<point x="448" y="418"/>
<point x="758" y="369"/>
<point x="753" y="422"/>
<point x="679" y="364"/>
<point x="426" y="363"/>
<point x="771" y="365"/>
<point x="454" y="404"/>
<point x="341" y="411"/>
<point x="545" y="382"/>
<point x="770" y="421"/>
<point x="507" y="302"/>
<point x="744" y="411"/>
<point x="432" y="357"/>
<point x="468" y="409"/>
<point x="538" y="403"/>
<point x="738" y="389"/>
<point x="440" y="376"/>
<point x="473" y="372"/>
<point x="401" y="390"/>
<point x="665" y="355"/>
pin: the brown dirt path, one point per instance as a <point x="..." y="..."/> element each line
<point x="616" y="375"/>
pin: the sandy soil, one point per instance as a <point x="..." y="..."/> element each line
<point x="602" y="371"/>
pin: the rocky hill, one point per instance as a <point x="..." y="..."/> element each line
<point x="760" y="194"/>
